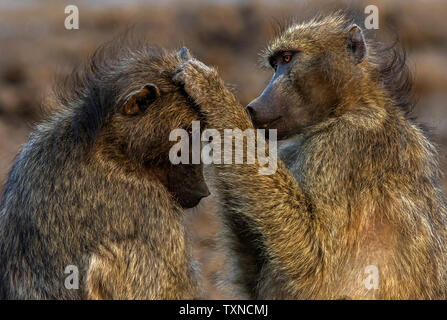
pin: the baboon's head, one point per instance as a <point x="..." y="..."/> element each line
<point x="314" y="63"/>
<point x="136" y="105"/>
<point x="152" y="108"/>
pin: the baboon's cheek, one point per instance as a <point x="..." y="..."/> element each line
<point x="297" y="119"/>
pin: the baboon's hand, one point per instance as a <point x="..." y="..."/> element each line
<point x="204" y="85"/>
<point x="201" y="83"/>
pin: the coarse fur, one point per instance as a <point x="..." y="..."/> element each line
<point x="358" y="184"/>
<point x="93" y="187"/>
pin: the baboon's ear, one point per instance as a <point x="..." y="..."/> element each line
<point x="356" y="43"/>
<point x="184" y="54"/>
<point x="141" y="100"/>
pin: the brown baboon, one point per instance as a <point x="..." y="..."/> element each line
<point x="94" y="188"/>
<point x="355" y="209"/>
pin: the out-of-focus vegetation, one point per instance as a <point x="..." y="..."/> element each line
<point x="35" y="48"/>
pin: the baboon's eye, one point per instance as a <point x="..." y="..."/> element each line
<point x="286" y="58"/>
<point x="281" y="58"/>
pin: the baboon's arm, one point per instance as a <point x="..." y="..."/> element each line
<point x="274" y="205"/>
<point x="134" y="270"/>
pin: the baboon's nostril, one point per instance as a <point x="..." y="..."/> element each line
<point x="251" y="112"/>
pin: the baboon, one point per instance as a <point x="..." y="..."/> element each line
<point x="354" y="210"/>
<point x="94" y="188"/>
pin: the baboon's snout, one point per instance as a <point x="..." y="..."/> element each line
<point x="261" y="112"/>
<point x="199" y="192"/>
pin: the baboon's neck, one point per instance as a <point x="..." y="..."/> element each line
<point x="363" y="93"/>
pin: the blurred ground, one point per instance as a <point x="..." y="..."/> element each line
<point x="35" y="47"/>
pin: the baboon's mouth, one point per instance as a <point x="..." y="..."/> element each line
<point x="269" y="124"/>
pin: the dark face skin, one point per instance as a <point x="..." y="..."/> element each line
<point x="184" y="181"/>
<point x="279" y="105"/>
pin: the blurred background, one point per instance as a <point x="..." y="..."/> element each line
<point x="36" y="49"/>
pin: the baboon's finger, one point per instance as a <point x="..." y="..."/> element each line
<point x="185" y="54"/>
<point x="179" y="76"/>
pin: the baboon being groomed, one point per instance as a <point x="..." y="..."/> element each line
<point x="93" y="189"/>
<point x="355" y="209"/>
